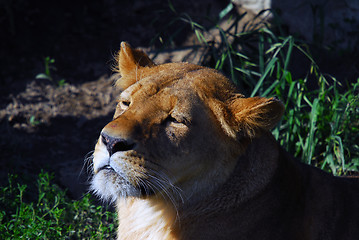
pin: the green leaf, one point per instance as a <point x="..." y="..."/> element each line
<point x="42" y="76"/>
<point x="225" y="11"/>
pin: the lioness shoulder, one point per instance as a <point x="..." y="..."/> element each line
<point x="186" y="156"/>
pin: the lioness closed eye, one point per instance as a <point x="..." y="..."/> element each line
<point x="188" y="157"/>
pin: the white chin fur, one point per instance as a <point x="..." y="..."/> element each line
<point x="104" y="188"/>
<point x="109" y="186"/>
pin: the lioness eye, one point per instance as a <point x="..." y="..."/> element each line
<point x="172" y="119"/>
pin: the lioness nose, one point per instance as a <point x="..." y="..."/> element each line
<point x="115" y="144"/>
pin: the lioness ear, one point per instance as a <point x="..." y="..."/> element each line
<point x="252" y="115"/>
<point x="129" y="61"/>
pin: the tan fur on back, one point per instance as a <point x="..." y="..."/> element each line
<point x="187" y="156"/>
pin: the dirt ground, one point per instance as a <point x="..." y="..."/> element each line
<point x="44" y="126"/>
<point x="51" y="127"/>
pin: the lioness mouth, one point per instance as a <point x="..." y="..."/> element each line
<point x="107" y="167"/>
<point x="142" y="188"/>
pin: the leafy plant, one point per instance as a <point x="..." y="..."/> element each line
<point x="51" y="215"/>
<point x="33" y="121"/>
<point x="49" y="66"/>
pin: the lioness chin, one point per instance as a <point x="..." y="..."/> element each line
<point x="188" y="157"/>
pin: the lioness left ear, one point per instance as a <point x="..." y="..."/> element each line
<point x="129" y="62"/>
<point x="255" y="114"/>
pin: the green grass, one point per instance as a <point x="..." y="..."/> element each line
<point x="320" y="126"/>
<point x="52" y="215"/>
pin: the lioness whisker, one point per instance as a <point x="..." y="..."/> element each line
<point x="88" y="165"/>
<point x="162" y="177"/>
<point x="142" y="183"/>
<point x="164" y="192"/>
<point x="166" y="186"/>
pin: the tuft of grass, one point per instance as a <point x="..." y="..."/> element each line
<point x="51" y="215"/>
<point x="321" y="127"/>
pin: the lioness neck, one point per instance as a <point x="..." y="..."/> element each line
<point x="146" y="219"/>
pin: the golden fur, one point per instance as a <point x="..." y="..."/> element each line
<point x="188" y="157"/>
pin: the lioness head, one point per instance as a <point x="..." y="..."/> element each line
<point x="177" y="132"/>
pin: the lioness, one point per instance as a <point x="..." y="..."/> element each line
<point x="187" y="157"/>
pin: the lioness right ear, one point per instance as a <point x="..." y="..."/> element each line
<point x="252" y="115"/>
<point x="129" y="61"/>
